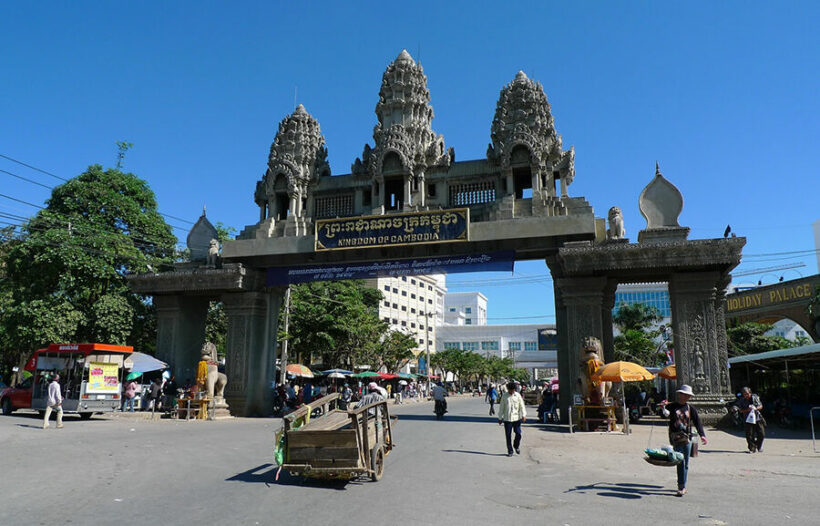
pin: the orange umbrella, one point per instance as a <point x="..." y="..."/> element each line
<point x="669" y="372"/>
<point x="297" y="369"/>
<point x="621" y="372"/>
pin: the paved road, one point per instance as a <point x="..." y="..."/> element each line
<point x="449" y="472"/>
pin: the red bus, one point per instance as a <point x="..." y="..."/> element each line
<point x="90" y="378"/>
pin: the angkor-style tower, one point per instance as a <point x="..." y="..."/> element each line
<point x="525" y="143"/>
<point x="405" y="144"/>
<point x="298" y="158"/>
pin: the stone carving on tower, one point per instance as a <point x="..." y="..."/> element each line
<point x="297" y="159"/>
<point x="406" y="146"/>
<point x="523" y="134"/>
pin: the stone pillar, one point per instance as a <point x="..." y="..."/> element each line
<point x="380" y="203"/>
<point x="251" y="359"/>
<point x="408" y="192"/>
<point x="564" y="189"/>
<point x="510" y="182"/>
<point x="607" y="304"/>
<point x="700" y="350"/>
<point x="579" y="307"/>
<point x="181" y="332"/>
<point x="422" y="193"/>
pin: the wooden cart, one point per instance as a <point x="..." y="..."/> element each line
<point x="337" y="443"/>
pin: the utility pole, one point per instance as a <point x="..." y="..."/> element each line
<point x="283" y="358"/>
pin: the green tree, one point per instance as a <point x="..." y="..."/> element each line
<point x="395" y="350"/>
<point x="335" y="323"/>
<point x="67" y="269"/>
<point x="637" y="341"/>
<point x="750" y="338"/>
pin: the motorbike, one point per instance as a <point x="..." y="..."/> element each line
<point x="440" y="409"/>
<point x="634" y="413"/>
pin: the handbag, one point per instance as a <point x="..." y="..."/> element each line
<point x="694" y="451"/>
<point x="679" y="438"/>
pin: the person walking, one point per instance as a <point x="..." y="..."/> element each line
<point x="511" y="414"/>
<point x="156" y="394"/>
<point x="681" y="417"/>
<point x="492" y="398"/>
<point x="749" y="405"/>
<point x="55" y="402"/>
<point x="128" y="395"/>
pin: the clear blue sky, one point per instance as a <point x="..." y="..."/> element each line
<point x="723" y="94"/>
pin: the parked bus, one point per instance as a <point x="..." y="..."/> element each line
<point x="90" y="379"/>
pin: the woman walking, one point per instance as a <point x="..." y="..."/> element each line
<point x="681" y="417"/>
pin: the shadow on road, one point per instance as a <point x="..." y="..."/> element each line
<point x="474" y="452"/>
<point x="451" y="418"/>
<point x="266" y="474"/>
<point x="624" y="490"/>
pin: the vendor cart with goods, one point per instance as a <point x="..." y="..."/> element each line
<point x="321" y="441"/>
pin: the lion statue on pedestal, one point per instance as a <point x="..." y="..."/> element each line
<point x="593" y="392"/>
<point x="214" y="380"/>
<point x="616" y="224"/>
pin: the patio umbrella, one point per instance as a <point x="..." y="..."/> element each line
<point x="622" y="372"/>
<point x="388" y="376"/>
<point x="133" y="376"/>
<point x="343" y="372"/>
<point x="144" y="363"/>
<point x="402" y="382"/>
<point x="335" y="375"/>
<point x="669" y="372"/>
<point x="297" y="369"/>
<point x="366" y="374"/>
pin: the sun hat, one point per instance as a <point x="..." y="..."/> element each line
<point x="373" y="386"/>
<point x="685" y="389"/>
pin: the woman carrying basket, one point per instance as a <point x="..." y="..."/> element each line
<point x="681" y="417"/>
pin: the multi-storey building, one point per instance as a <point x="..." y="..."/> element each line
<point x="412" y="304"/>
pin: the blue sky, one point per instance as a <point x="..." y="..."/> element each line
<point x="723" y="94"/>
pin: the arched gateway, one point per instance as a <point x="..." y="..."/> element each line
<point x="409" y="207"/>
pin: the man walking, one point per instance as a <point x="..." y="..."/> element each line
<point x="750" y="406"/>
<point x="55" y="402"/>
<point x="512" y="413"/>
<point x="492" y="398"/>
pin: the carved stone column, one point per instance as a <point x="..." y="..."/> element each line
<point x="181" y="332"/>
<point x="578" y="304"/>
<point x="607" y="304"/>
<point x="696" y="325"/>
<point x="251" y="360"/>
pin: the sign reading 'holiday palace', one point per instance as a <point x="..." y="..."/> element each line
<point x="433" y="226"/>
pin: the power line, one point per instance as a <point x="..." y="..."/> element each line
<point x="32" y="167"/>
<point x="21" y="201"/>
<point x="27" y="179"/>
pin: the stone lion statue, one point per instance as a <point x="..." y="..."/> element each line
<point x="213" y="253"/>
<point x="616" y="224"/>
<point x="214" y="381"/>
<point x="591" y="352"/>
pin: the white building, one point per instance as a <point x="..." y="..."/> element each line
<point x="412" y="304"/>
<point x="652" y="294"/>
<point x="531" y="346"/>
<point x="465" y="308"/>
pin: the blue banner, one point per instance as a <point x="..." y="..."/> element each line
<point x="487" y="262"/>
<point x="412" y="228"/>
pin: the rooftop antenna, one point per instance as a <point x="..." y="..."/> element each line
<point x="295" y="95"/>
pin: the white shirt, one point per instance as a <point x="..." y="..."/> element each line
<point x="439" y="393"/>
<point x="54" y="395"/>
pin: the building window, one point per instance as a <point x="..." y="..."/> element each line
<point x="395" y="291"/>
<point x="412" y="311"/>
<point x="429" y="328"/>
<point x="412" y="325"/>
<point x="421" y="298"/>
<point x="421" y="340"/>
<point x="469" y="346"/>
<point x="386" y="303"/>
<point x="404" y="278"/>
<point x="430" y="302"/>
<point x="404" y="308"/>
<point x="395" y="306"/>
<point x="395" y="321"/>
<point x="429" y="287"/>
<point x="468" y="321"/>
<point x="386" y="320"/>
<point x="452" y="309"/>
<point x="387" y="288"/>
<point x="452" y="345"/>
<point x="489" y="346"/>
<point x="530" y="346"/>
<point x="412" y="296"/>
<point x="404" y="293"/>
<point x="403" y="323"/>
<point x="412" y="282"/>
<point x="515" y="346"/>
<point x="421" y="326"/>
<point x="468" y="310"/>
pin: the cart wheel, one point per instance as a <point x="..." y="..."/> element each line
<point x="377" y="463"/>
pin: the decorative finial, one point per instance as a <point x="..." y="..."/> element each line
<point x="520" y="75"/>
<point x="300" y="109"/>
<point x="404" y="56"/>
<point x="203" y="210"/>
<point x="657" y="168"/>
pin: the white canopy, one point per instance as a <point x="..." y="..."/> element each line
<point x="142" y="363"/>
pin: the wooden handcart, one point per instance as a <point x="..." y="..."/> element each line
<point x="335" y="443"/>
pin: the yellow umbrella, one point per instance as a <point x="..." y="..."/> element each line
<point x="669" y="372"/>
<point x="297" y="369"/>
<point x="621" y="372"/>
